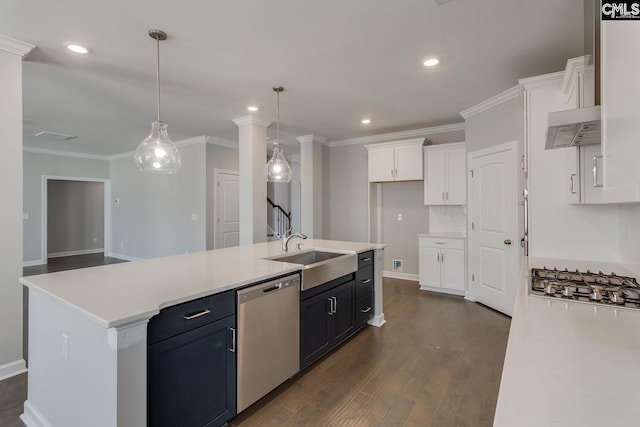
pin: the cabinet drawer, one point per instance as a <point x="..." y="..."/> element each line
<point x="441" y="242"/>
<point x="180" y="318"/>
<point x="364" y="310"/>
<point x="365" y="258"/>
<point x="364" y="281"/>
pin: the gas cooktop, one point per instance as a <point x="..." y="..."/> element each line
<point x="596" y="288"/>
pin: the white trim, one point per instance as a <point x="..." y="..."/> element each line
<point x="541" y="81"/>
<point x="442" y="290"/>
<point x="181" y="143"/>
<point x="377" y="321"/>
<point x="228" y="143"/>
<point x="14" y="46"/>
<point x="574" y="66"/>
<point x="397" y="275"/>
<point x="64" y="153"/>
<point x="32" y="417"/>
<point x="72" y="253"/>
<point x="413" y="141"/>
<point x="311" y="138"/>
<point x="11" y="369"/>
<point x="386" y="137"/>
<point x="492" y="102"/>
<point x="252" y="120"/>
<point x="216" y="193"/>
<point x="122" y="256"/>
<point x="107" y="210"/>
<point x="32" y="263"/>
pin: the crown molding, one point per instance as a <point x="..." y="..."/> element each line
<point x="64" y="153"/>
<point x="407" y="134"/>
<point x="294" y="158"/>
<point x="14" y="46"/>
<point x="492" y="102"/>
<point x="222" y="142"/>
<point x="544" y="80"/>
<point x="182" y="143"/>
<point x="311" y="138"/>
<point x="574" y="66"/>
<point x="252" y="120"/>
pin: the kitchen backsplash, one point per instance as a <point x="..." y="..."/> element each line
<point x="449" y="219"/>
<point x="630" y="236"/>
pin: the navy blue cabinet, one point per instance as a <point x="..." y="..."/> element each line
<point x="192" y="372"/>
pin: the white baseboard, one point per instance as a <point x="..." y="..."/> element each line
<point x="13" y="368"/>
<point x="32" y="417"/>
<point x="72" y="253"/>
<point x="32" y="263"/>
<point x="397" y="275"/>
<point x="122" y="256"/>
<point x="377" y="320"/>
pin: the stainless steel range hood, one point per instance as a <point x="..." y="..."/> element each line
<point x="581" y="126"/>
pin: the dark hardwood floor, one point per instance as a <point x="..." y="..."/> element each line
<point x="436" y="362"/>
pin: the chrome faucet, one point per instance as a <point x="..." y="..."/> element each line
<point x="288" y="236"/>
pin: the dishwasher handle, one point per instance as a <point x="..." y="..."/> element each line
<point x="270" y="287"/>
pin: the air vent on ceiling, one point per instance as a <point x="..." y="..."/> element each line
<point x="55" y="136"/>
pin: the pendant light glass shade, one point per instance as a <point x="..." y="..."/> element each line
<point x="156" y="153"/>
<point x="278" y="169"/>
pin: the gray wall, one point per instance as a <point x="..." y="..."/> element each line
<point x="36" y="165"/>
<point x="406" y="198"/>
<point x="217" y="158"/>
<point x="153" y="217"/>
<point x="10" y="213"/>
<point x="75" y="216"/>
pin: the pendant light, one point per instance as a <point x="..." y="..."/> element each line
<point x="157" y="153"/>
<point x="278" y="169"/>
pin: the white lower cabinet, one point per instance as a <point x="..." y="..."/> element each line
<point x="442" y="264"/>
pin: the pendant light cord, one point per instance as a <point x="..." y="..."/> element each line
<point x="278" y="120"/>
<point x="158" y="72"/>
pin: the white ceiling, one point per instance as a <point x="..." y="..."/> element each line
<point x="339" y="61"/>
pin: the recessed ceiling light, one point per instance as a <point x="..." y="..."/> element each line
<point x="365" y="121"/>
<point x="74" y="47"/>
<point x="431" y="62"/>
<point x="252" y="108"/>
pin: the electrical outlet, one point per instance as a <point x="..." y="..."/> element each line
<point x="399" y="217"/>
<point x="397" y="265"/>
<point x="65" y="346"/>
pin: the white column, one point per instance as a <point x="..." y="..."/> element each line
<point x="311" y="185"/>
<point x="11" y="54"/>
<point x="294" y="193"/>
<point x="252" y="144"/>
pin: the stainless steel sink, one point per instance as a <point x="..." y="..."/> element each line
<point x="319" y="266"/>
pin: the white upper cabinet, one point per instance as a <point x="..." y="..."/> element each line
<point x="445" y="174"/>
<point x="395" y="161"/>
<point x="620" y="111"/>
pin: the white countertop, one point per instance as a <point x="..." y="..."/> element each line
<point x="117" y="294"/>
<point x="446" y="234"/>
<point x="569" y="363"/>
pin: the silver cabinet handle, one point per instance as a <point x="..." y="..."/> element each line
<point x="366" y="281"/>
<point x="366" y="310"/>
<point x="446" y="196"/>
<point x="330" y="306"/>
<point x="438" y="256"/>
<point x="507" y="242"/>
<point x="443" y="196"/>
<point x="573" y="175"/>
<point x="392" y="175"/>
<point x="367" y="259"/>
<point x="335" y="305"/>
<point x="233" y="340"/>
<point x="441" y="243"/>
<point x="191" y="316"/>
<point x="441" y="257"/>
<point x="595" y="172"/>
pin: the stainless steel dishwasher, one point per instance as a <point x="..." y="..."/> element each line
<point x="268" y="337"/>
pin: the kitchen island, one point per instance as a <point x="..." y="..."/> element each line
<point x="88" y="328"/>
<point x="569" y="363"/>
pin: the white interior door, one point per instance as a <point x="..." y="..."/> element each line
<point x="227" y="206"/>
<point x="493" y="238"/>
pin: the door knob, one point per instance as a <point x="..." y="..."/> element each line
<point x="507" y="242"/>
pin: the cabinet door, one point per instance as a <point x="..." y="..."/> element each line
<point x="434" y="183"/>
<point x="452" y="269"/>
<point x="192" y="377"/>
<point x="429" y="266"/>
<point x="592" y="174"/>
<point x="408" y="162"/>
<point x="381" y="164"/>
<point x="315" y="336"/>
<point x="573" y="175"/>
<point x="456" y="181"/>
<point x="344" y="320"/>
